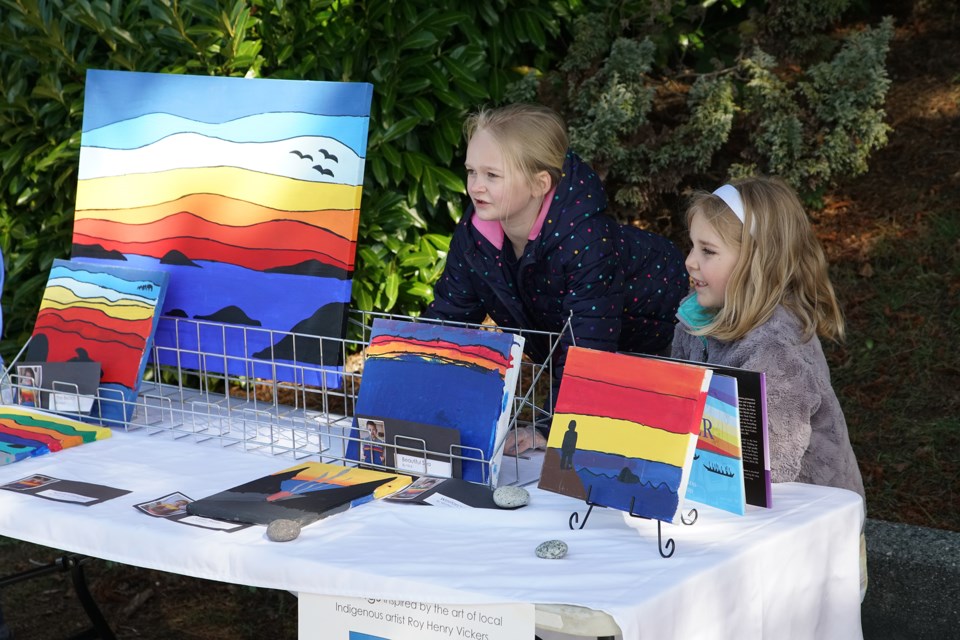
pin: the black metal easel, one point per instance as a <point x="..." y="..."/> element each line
<point x="669" y="546"/>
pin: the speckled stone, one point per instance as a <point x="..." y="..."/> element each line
<point x="282" y="530"/>
<point x="511" y="497"/>
<point x="552" y="549"/>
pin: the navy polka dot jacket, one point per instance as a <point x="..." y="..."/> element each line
<point x="620" y="285"/>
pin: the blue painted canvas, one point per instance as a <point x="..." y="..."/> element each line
<point x="247" y="193"/>
<point x="445" y="376"/>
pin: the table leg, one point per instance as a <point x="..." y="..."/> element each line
<point x="74" y="564"/>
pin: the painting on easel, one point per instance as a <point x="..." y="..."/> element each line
<point x="624" y="432"/>
<point x="247" y="192"/>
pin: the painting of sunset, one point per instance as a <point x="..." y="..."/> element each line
<point x="444" y="376"/>
<point x="25" y="433"/>
<point x="717" y="475"/>
<point x="100" y="313"/>
<point x="246" y="192"/>
<point x="624" y="432"/>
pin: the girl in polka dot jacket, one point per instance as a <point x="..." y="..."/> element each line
<point x="536" y="248"/>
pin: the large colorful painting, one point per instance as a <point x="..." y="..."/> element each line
<point x="25" y="433"/>
<point x="624" y="432"/>
<point x="100" y="313"/>
<point x="444" y="376"/>
<point x="717" y="475"/>
<point x="247" y="192"/>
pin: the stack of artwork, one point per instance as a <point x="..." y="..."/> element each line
<point x="246" y="193"/>
<point x="454" y="378"/>
<point x="26" y="432"/>
<point x="624" y="432"/>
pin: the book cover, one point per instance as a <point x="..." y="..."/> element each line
<point x="101" y="313"/>
<point x="624" y="432"/>
<point x="446" y="376"/>
<point x="304" y="493"/>
<point x="412" y="447"/>
<point x="754" y="439"/>
<point x="27" y="432"/>
<point x="716" y="478"/>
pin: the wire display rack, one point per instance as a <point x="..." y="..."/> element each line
<point x="287" y="409"/>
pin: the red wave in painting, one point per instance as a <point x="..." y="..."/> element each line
<point x="676" y="414"/>
<point x="290" y="242"/>
<point x="51" y="442"/>
<point x="115" y="344"/>
<point x="632" y="371"/>
<point x="473" y="350"/>
<point x="95" y="324"/>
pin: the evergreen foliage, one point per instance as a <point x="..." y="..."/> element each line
<point x="660" y="95"/>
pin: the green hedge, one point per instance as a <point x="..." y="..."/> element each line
<point x="659" y="96"/>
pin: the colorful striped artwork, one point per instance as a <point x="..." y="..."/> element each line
<point x="100" y="313"/>
<point x="624" y="432"/>
<point x="444" y="376"/>
<point x="717" y="475"/>
<point x="246" y="191"/>
<point x="304" y="493"/>
<point x="25" y="433"/>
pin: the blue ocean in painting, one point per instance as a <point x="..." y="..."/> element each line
<point x="642" y="487"/>
<point x="464" y="398"/>
<point x="203" y="291"/>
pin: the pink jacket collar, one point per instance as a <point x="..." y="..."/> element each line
<point x="492" y="230"/>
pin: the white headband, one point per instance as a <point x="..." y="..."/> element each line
<point x="729" y="194"/>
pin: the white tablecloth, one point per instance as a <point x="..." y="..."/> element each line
<point x="787" y="572"/>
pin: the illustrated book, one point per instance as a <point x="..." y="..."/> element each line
<point x="717" y="475"/>
<point x="754" y="439"/>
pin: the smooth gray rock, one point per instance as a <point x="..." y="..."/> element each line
<point x="552" y="549"/>
<point x="511" y="497"/>
<point x="282" y="530"/>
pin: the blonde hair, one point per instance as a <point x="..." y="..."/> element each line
<point x="781" y="262"/>
<point x="532" y="138"/>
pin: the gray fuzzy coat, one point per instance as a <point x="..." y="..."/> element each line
<point x="808" y="433"/>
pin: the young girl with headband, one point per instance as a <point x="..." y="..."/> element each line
<point x="762" y="296"/>
<point x="536" y="248"/>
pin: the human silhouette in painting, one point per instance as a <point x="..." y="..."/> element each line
<point x="373" y="443"/>
<point x="568" y="446"/>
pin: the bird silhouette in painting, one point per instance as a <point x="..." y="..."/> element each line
<point x="329" y="156"/>
<point x="303" y="155"/>
<point x="323" y="171"/>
